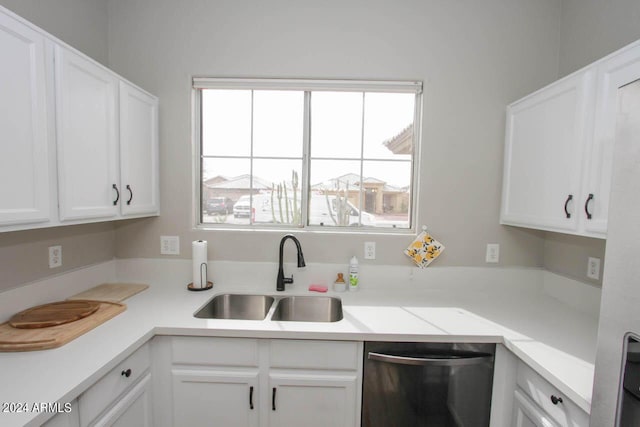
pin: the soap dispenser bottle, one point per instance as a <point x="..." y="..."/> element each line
<point x="354" y="281"/>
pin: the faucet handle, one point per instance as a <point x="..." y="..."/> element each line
<point x="288" y="279"/>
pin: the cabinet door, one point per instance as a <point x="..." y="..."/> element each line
<point x="133" y="409"/>
<point x="543" y="155"/>
<point x="24" y="169"/>
<point x="312" y="400"/>
<point x="65" y="419"/>
<point x="613" y="73"/>
<point x="138" y="151"/>
<point x="527" y="414"/>
<point x="86" y="138"/>
<point x="215" y="398"/>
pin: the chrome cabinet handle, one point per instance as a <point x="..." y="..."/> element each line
<point x="115" y="187"/>
<point x="566" y="203"/>
<point x="130" y="194"/>
<point x="586" y="206"/>
<point x="451" y="359"/>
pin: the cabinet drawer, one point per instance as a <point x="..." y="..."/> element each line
<point x="214" y="351"/>
<point x="108" y="388"/>
<point x="565" y="413"/>
<point x="303" y="354"/>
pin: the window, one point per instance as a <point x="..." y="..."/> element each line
<point x="306" y="153"/>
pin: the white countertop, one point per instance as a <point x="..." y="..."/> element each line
<point x="555" y="339"/>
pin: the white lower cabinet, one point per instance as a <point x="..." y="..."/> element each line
<point x="522" y="398"/>
<point x="219" y="398"/>
<point x="312" y="400"/>
<point x="65" y="419"/>
<point x="132" y="409"/>
<point x="122" y="397"/>
<point x="553" y="404"/>
<point x="256" y="382"/>
<point x="528" y="414"/>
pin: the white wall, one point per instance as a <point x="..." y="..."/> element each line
<point x="474" y="58"/>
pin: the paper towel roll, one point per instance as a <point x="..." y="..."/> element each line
<point x="199" y="256"/>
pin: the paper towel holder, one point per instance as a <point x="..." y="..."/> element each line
<point x="203" y="277"/>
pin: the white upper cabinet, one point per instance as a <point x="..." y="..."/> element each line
<point x="544" y="154"/>
<point x="24" y="142"/>
<point x="613" y="73"/>
<point x="79" y="143"/>
<point x="87" y="138"/>
<point x="558" y="149"/>
<point x="138" y="151"/>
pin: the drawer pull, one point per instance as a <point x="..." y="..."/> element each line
<point x="126" y="373"/>
<point x="555" y="399"/>
<point x="251" y="397"/>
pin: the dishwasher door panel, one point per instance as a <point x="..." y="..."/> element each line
<point x="427" y="384"/>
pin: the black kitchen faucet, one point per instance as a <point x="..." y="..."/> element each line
<point x="281" y="279"/>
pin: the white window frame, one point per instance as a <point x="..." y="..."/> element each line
<point x="307" y="85"/>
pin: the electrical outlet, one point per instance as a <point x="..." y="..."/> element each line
<point x="55" y="256"/>
<point x="169" y="245"/>
<point x="369" y="250"/>
<point x="593" y="268"/>
<point x="493" y="253"/>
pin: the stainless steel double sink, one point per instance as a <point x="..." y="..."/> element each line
<point x="256" y="307"/>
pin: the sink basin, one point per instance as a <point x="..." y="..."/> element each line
<point x="308" y="309"/>
<point x="236" y="306"/>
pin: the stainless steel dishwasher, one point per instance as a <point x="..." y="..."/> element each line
<point x="427" y="384"/>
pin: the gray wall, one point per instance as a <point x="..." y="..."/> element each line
<point x="568" y="255"/>
<point x="590" y="29"/>
<point x="24" y="254"/>
<point x="80" y="23"/>
<point x="474" y="58"/>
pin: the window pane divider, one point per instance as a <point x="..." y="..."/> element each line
<point x="306" y="161"/>
<point x="251" y="167"/>
<point x="364" y="159"/>
<point x="361" y="186"/>
<point x="211" y="156"/>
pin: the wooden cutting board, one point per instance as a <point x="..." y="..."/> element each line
<point x="114" y="292"/>
<point x="14" y="339"/>
<point x="53" y="314"/>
